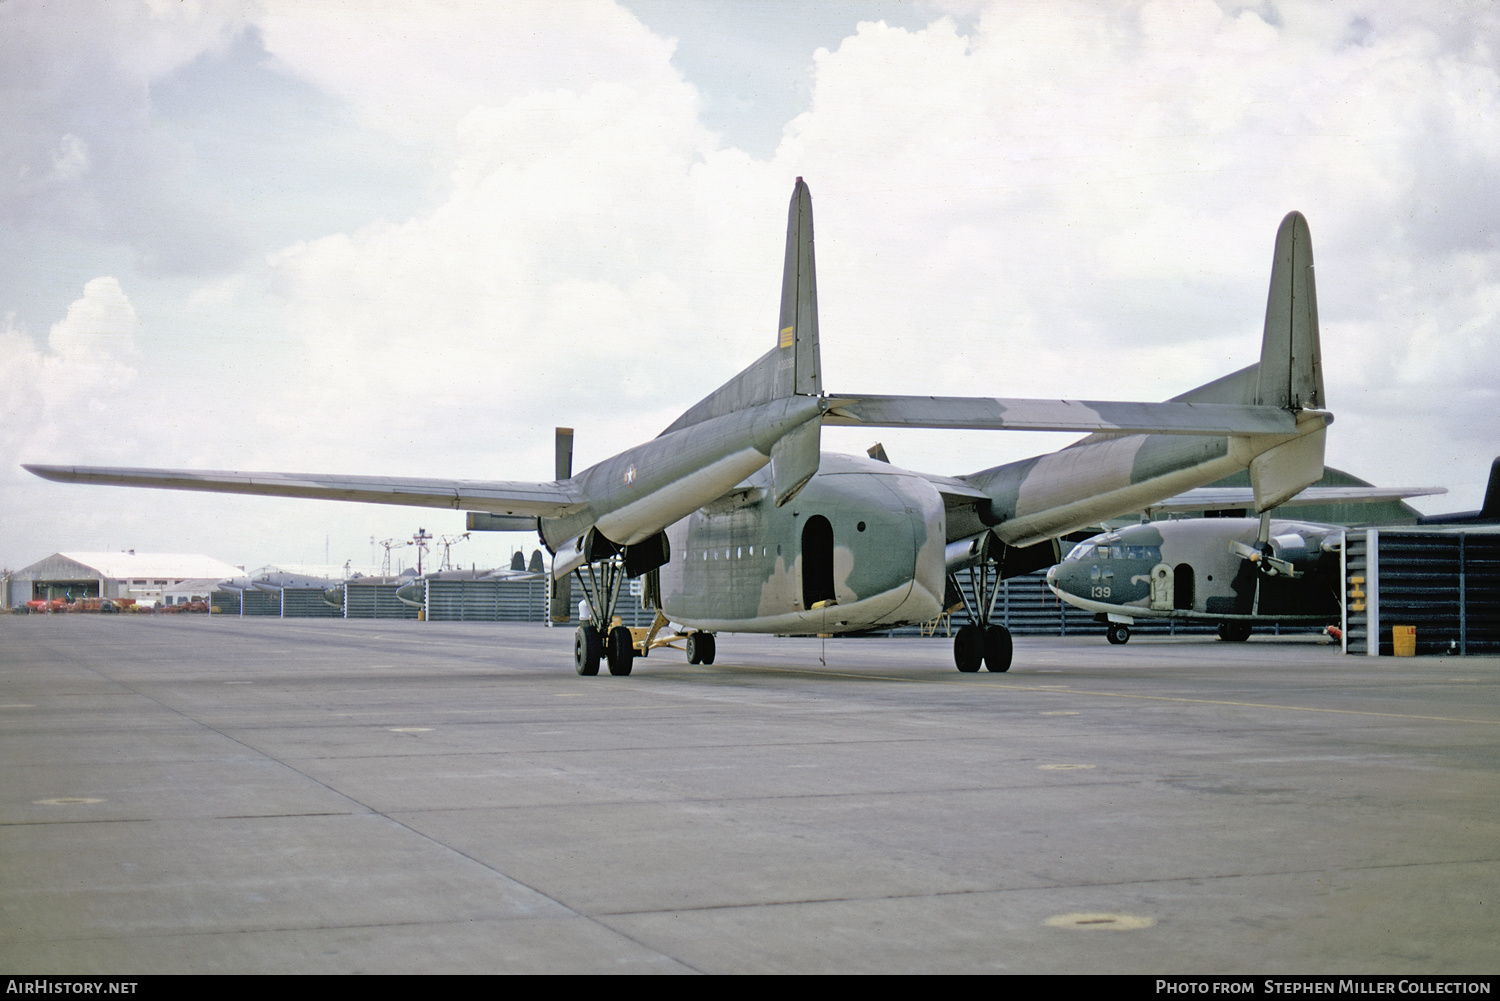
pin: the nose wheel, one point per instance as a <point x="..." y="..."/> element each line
<point x="1234" y="632"/>
<point x="1117" y="633"/>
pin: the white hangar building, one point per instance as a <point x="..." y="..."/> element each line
<point x="146" y="577"/>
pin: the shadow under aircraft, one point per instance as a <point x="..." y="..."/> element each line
<point x="740" y="523"/>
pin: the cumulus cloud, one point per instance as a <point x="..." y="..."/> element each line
<point x="77" y="381"/>
<point x="1059" y="200"/>
<point x="80" y="157"/>
<point x="1068" y="199"/>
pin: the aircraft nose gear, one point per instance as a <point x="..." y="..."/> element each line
<point x="982" y="641"/>
<point x="1117" y="633"/>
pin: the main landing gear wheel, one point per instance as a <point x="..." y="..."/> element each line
<point x="1117" y="633"/>
<point x="700" y="648"/>
<point x="586" y="647"/>
<point x="968" y="648"/>
<point x="997" y="649"/>
<point x="621" y="650"/>
<point x="1234" y="632"/>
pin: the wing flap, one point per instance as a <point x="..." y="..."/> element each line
<point x="493" y="496"/>
<point x="1000" y="414"/>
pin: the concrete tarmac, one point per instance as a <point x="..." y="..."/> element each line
<point x="234" y="795"/>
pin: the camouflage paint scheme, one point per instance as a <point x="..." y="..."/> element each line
<point x="741" y="472"/>
<point x="1189" y="569"/>
<point x="739" y="565"/>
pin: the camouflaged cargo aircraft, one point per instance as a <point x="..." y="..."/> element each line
<point x="739" y="523"/>
<point x="1240" y="572"/>
<point x="1214" y="569"/>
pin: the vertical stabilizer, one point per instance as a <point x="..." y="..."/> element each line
<point x="797" y="337"/>
<point x="791" y="367"/>
<point x="1491" y="509"/>
<point x="1291" y="363"/>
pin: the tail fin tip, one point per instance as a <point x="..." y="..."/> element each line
<point x="1291" y="365"/>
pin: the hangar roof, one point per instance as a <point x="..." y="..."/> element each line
<point x="156" y="565"/>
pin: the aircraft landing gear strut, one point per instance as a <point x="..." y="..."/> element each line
<point x="982" y="641"/>
<point x="601" y="588"/>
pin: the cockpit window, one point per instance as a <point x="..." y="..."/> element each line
<point x="1082" y="551"/>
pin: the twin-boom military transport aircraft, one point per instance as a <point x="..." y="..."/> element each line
<point x="740" y="523"/>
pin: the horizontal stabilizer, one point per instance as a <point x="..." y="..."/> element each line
<point x="495" y="497"/>
<point x="991" y="413"/>
<point x="1228" y="498"/>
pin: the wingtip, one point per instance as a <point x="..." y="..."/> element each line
<point x="58" y="474"/>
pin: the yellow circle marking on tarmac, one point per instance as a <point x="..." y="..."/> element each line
<point x="411" y="729"/>
<point x="66" y="801"/>
<point x="1100" y="921"/>
<point x="1061" y="768"/>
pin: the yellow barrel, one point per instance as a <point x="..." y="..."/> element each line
<point x="1404" y="641"/>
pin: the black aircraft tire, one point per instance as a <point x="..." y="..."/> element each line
<point x="621" y="650"/>
<point x="968" y="648"/>
<point x="586" y="644"/>
<point x="692" y="649"/>
<point x="998" y="649"/>
<point x="1234" y="632"/>
<point x="1117" y="633"/>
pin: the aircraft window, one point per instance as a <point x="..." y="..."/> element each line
<point x="1093" y="573"/>
<point x="1081" y="551"/>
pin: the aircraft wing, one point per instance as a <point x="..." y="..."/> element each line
<point x="999" y="414"/>
<point x="494" y="496"/>
<point x="1220" y="498"/>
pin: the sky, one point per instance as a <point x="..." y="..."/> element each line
<point x="410" y="239"/>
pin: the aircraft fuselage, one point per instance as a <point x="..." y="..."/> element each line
<point x="1189" y="569"/>
<point x="861" y="546"/>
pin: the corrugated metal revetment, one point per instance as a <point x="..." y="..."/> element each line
<point x="486" y="600"/>
<point x="1445" y="583"/>
<point x="256" y="602"/>
<point x="375" y="601"/>
<point x="307" y="603"/>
